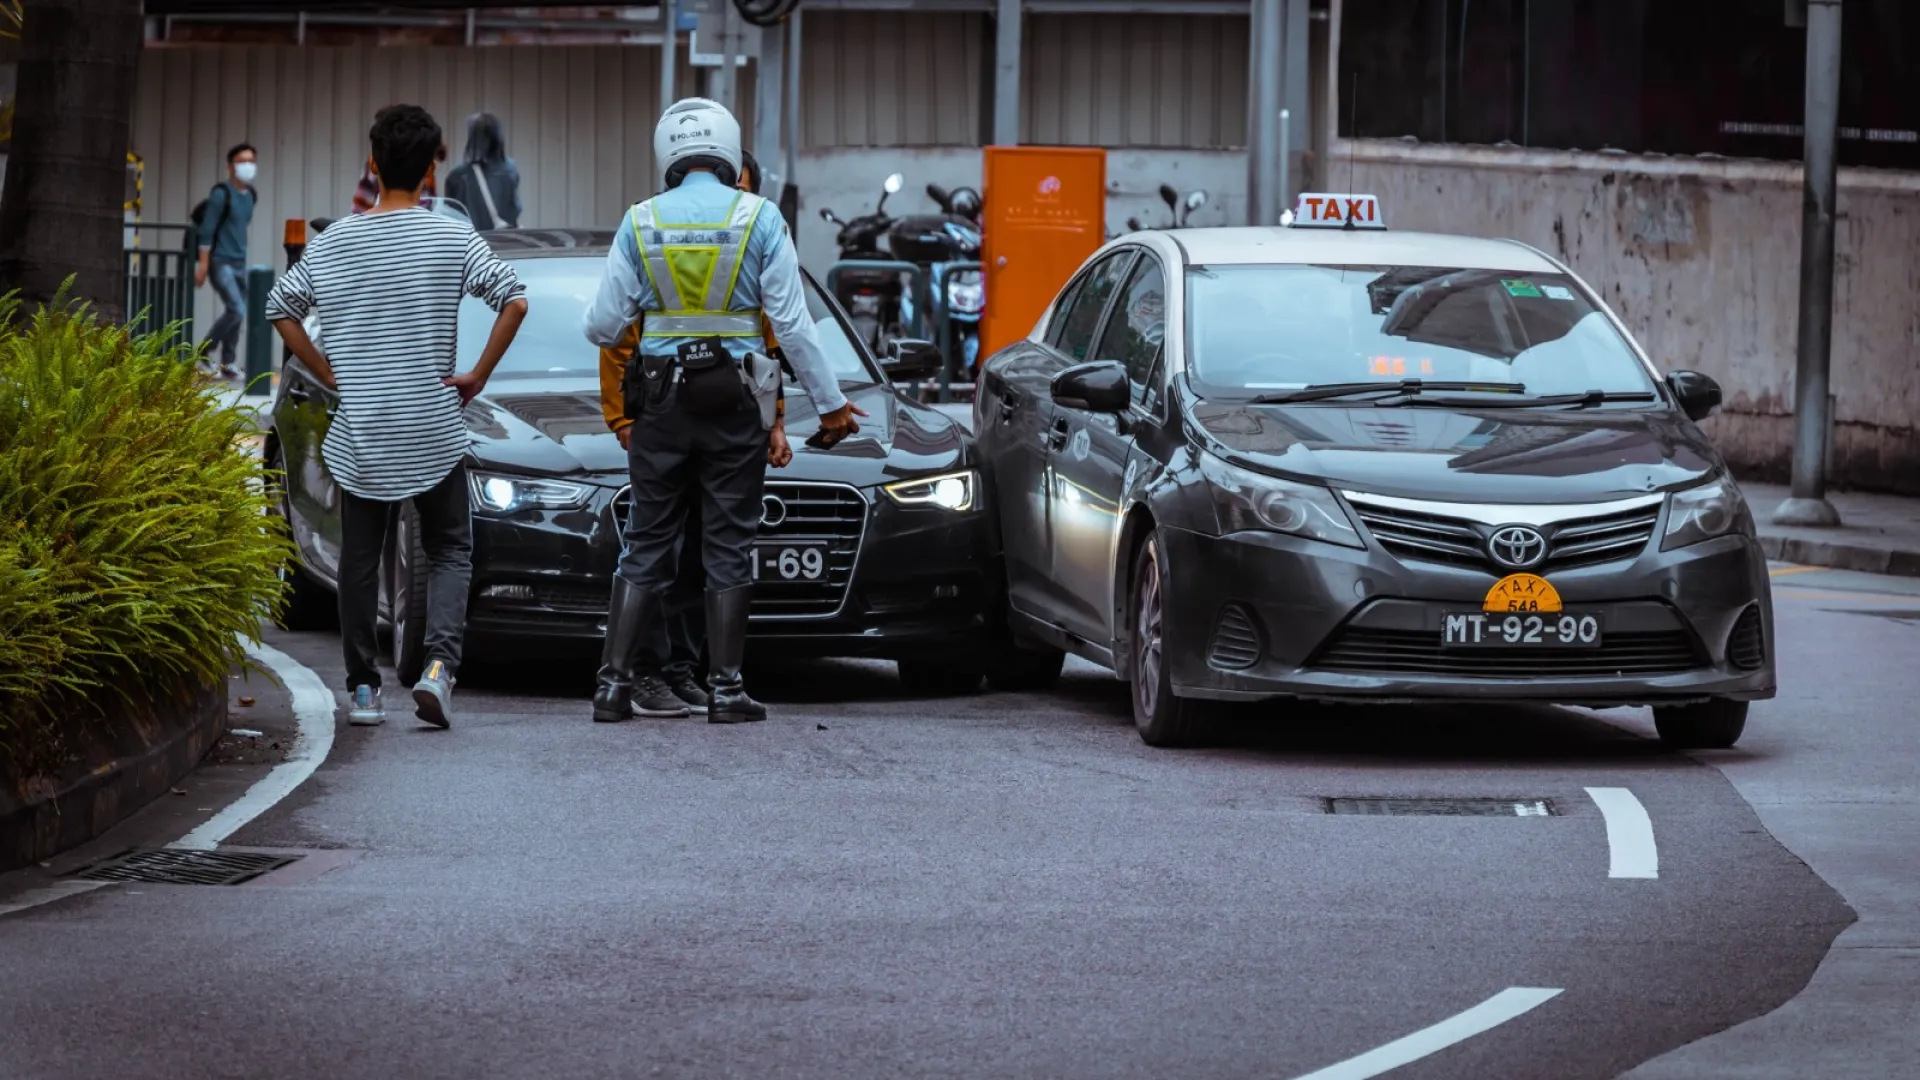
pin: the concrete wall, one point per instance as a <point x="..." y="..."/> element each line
<point x="1702" y="260"/>
<point x="848" y="181"/>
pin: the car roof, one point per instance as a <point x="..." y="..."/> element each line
<point x="534" y="243"/>
<point x="1354" y="247"/>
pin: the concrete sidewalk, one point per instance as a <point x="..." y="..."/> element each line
<point x="1879" y="534"/>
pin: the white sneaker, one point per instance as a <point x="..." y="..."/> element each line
<point x="366" y="710"/>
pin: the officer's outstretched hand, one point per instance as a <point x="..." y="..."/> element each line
<point x="840" y="423"/>
<point x="779" y="450"/>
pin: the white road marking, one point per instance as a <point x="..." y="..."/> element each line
<point x="1629" y="833"/>
<point x="1512" y="1002"/>
<point x="313" y="707"/>
<point x="47" y="894"/>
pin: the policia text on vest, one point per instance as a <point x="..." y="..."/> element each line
<point x="703" y="263"/>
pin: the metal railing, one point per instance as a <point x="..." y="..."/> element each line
<point x="160" y="280"/>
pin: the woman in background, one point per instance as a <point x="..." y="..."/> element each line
<point x="487" y="183"/>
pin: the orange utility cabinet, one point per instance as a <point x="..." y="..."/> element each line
<point x="1046" y="211"/>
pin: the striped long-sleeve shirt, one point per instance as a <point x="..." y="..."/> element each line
<point x="388" y="288"/>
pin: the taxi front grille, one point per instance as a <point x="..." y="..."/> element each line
<point x="1453" y="541"/>
<point x="1364" y="651"/>
<point x="835" y="514"/>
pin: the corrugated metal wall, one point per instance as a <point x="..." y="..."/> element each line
<point x="892" y="78"/>
<point x="1137" y="80"/>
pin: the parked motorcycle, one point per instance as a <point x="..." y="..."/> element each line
<point x="947" y="246"/>
<point x="876" y="300"/>
<point x="1178" y="209"/>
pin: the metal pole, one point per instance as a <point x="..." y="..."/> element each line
<point x="790" y="192"/>
<point x="1286" y="174"/>
<point x="1006" y="73"/>
<point x="669" y="63"/>
<point x="1812" y="411"/>
<point x="1296" y="89"/>
<point x="723" y="85"/>
<point x="769" y="83"/>
<point x="1263" y="137"/>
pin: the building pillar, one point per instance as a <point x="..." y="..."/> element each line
<point x="1006" y="73"/>
<point x="1265" y="63"/>
<point x="769" y="87"/>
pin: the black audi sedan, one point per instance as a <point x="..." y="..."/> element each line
<point x="1361" y="465"/>
<point x="878" y="547"/>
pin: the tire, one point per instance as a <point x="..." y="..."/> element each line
<point x="937" y="678"/>
<point x="407" y="592"/>
<point x="1016" y="668"/>
<point x="309" y="604"/>
<point x="1160" y="716"/>
<point x="1712" y="725"/>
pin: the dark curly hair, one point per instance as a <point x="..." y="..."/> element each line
<point x="406" y="142"/>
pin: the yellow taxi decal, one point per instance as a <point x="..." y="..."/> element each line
<point x="1522" y="592"/>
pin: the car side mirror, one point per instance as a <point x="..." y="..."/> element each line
<point x="1698" y="394"/>
<point x="1099" y="387"/>
<point x="908" y="359"/>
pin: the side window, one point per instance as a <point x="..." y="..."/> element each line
<point x="1082" y="315"/>
<point x="1135" y="331"/>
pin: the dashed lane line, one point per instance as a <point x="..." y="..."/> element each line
<point x="1630" y="844"/>
<point x="313" y="707"/>
<point x="1506" y="1005"/>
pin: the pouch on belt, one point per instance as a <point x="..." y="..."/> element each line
<point x="761" y="373"/>
<point x="709" y="378"/>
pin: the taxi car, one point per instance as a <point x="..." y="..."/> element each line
<point x="1328" y="460"/>
<point x="876" y="547"/>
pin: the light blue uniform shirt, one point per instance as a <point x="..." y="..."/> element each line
<point x="769" y="280"/>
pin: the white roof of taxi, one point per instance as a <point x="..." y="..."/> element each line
<point x="1358" y="247"/>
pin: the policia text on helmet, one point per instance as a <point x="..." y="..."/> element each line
<point x="703" y="262"/>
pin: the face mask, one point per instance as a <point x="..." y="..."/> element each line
<point x="244" y="172"/>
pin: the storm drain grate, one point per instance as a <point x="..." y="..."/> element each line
<point x="172" y="866"/>
<point x="1444" y="807"/>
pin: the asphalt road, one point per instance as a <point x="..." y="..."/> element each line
<point x="1003" y="885"/>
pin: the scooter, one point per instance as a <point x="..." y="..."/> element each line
<point x="947" y="247"/>
<point x="1178" y="209"/>
<point x="873" y="298"/>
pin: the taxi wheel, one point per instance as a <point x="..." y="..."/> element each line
<point x="935" y="678"/>
<point x="1162" y="718"/>
<point x="407" y="592"/>
<point x="1713" y="725"/>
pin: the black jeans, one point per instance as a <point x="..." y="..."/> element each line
<point x="446" y="532"/>
<point x="675" y="459"/>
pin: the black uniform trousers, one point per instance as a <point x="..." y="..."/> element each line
<point x="674" y="459"/>
<point x="672" y="645"/>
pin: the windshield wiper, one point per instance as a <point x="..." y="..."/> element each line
<point x="1403" y="388"/>
<point x="1586" y="400"/>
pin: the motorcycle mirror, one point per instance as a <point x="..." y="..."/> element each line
<point x="1169" y="196"/>
<point x="893" y="183"/>
<point x="826" y="214"/>
<point x="940" y="197"/>
<point x="1133" y="224"/>
<point x="1196" y="199"/>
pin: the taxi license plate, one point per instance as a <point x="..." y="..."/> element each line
<point x="1495" y="630"/>
<point x="790" y="561"/>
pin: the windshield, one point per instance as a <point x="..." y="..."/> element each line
<point x="551" y="341"/>
<point x="1266" y="328"/>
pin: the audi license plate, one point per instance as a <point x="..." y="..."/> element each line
<point x="790" y="561"/>
<point x="1500" y="630"/>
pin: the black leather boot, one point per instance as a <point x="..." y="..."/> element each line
<point x="633" y="609"/>
<point x="726" y="648"/>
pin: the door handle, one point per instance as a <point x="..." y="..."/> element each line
<point x="299" y="392"/>
<point x="1007" y="407"/>
<point x="1056" y="436"/>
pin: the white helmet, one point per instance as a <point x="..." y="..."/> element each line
<point x="696" y="128"/>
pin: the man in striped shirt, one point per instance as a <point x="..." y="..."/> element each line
<point x="387" y="287"/>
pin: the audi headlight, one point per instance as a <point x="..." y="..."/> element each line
<point x="948" y="491"/>
<point x="503" y="494"/>
<point x="1250" y="500"/>
<point x="1702" y="513"/>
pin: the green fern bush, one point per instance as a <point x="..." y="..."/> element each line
<point x="136" y="550"/>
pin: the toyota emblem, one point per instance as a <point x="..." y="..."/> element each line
<point x="1517" y="547"/>
<point x="772" y="511"/>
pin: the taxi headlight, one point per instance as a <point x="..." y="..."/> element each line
<point x="948" y="491"/>
<point x="1250" y="500"/>
<point x="1704" y="512"/>
<point x="504" y="494"/>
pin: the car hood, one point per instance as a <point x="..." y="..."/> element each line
<point x="1465" y="455"/>
<point x="553" y="425"/>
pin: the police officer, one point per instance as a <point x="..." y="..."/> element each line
<point x="702" y="262"/>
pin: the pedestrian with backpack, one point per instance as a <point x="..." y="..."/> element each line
<point x="487" y="183"/>
<point x="222" y="219"/>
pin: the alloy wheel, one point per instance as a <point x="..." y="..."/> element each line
<point x="1146" y="668"/>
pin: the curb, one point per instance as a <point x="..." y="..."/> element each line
<point x="42" y="826"/>
<point x="1841" y="556"/>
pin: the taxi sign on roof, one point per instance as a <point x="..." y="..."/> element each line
<point x="1324" y="210"/>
